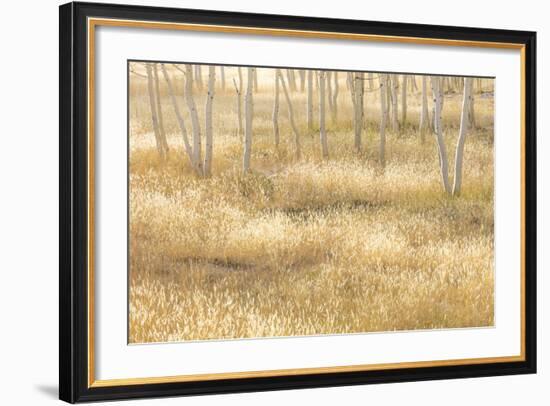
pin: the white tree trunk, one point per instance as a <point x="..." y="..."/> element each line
<point x="291" y="115"/>
<point x="414" y="88"/>
<point x="222" y="74"/>
<point x="383" y="118"/>
<point x="239" y="90"/>
<point x="388" y="99"/>
<point x="464" y="123"/>
<point x="335" y="99"/>
<point x="371" y="81"/>
<point x="442" y="151"/>
<point x="350" y="81"/>
<point x="152" y="103"/>
<point x="198" y="76"/>
<point x="309" y="99"/>
<point x="162" y="133"/>
<point x="197" y="147"/>
<point x="328" y="88"/>
<point x="302" y="79"/>
<point x="208" y="136"/>
<point x="471" y="115"/>
<point x="275" y="115"/>
<point x="179" y="117"/>
<point x="424" y="117"/>
<point x="249" y="113"/>
<point x="291" y="80"/>
<point x="394" y="86"/>
<point x="404" y="100"/>
<point x="358" y="87"/>
<point x="322" y="130"/>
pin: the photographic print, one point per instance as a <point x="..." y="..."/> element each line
<point x="278" y="202"/>
<point x="254" y="202"/>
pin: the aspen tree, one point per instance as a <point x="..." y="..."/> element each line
<point x="249" y="112"/>
<point x="302" y="79"/>
<point x="414" y="87"/>
<point x="388" y="99"/>
<point x="383" y="119"/>
<point x="291" y="80"/>
<point x="328" y="88"/>
<point x="351" y="81"/>
<point x="358" y="92"/>
<point x="394" y="87"/>
<point x="404" y="100"/>
<point x="464" y="123"/>
<point x="370" y="76"/>
<point x="152" y="103"/>
<point x="275" y="115"/>
<point x="208" y="136"/>
<point x="290" y="115"/>
<point x="222" y="76"/>
<point x="179" y="117"/>
<point x="309" y="99"/>
<point x="335" y="99"/>
<point x="162" y="133"/>
<point x="424" y="118"/>
<point x="198" y="76"/>
<point x="197" y="147"/>
<point x="471" y="114"/>
<point x="442" y="151"/>
<point x="322" y="130"/>
<point x="239" y="90"/>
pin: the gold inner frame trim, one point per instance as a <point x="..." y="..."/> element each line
<point x="94" y="22"/>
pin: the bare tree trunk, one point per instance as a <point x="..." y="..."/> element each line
<point x="291" y="80"/>
<point x="222" y="74"/>
<point x="208" y="121"/>
<point x="322" y="130"/>
<point x="328" y="88"/>
<point x="276" y="112"/>
<point x="443" y="161"/>
<point x="162" y="133"/>
<point x="309" y="99"/>
<point x="471" y="115"/>
<point x="370" y="76"/>
<point x="335" y="99"/>
<point x="290" y="115"/>
<point x="414" y="87"/>
<point x="383" y="118"/>
<point x="388" y="99"/>
<point x="302" y="79"/>
<point x="358" y="92"/>
<point x="424" y="118"/>
<point x="248" y="108"/>
<point x="464" y="122"/>
<point x="152" y="103"/>
<point x="239" y="91"/>
<point x="198" y="76"/>
<point x="350" y="81"/>
<point x="394" y="86"/>
<point x="197" y="147"/>
<point x="179" y="116"/>
<point x="404" y="101"/>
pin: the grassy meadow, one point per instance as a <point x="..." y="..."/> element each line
<point x="308" y="246"/>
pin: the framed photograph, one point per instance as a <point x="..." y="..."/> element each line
<point x="257" y="202"/>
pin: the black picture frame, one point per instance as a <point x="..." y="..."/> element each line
<point x="73" y="203"/>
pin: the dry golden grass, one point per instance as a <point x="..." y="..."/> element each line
<point x="311" y="246"/>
